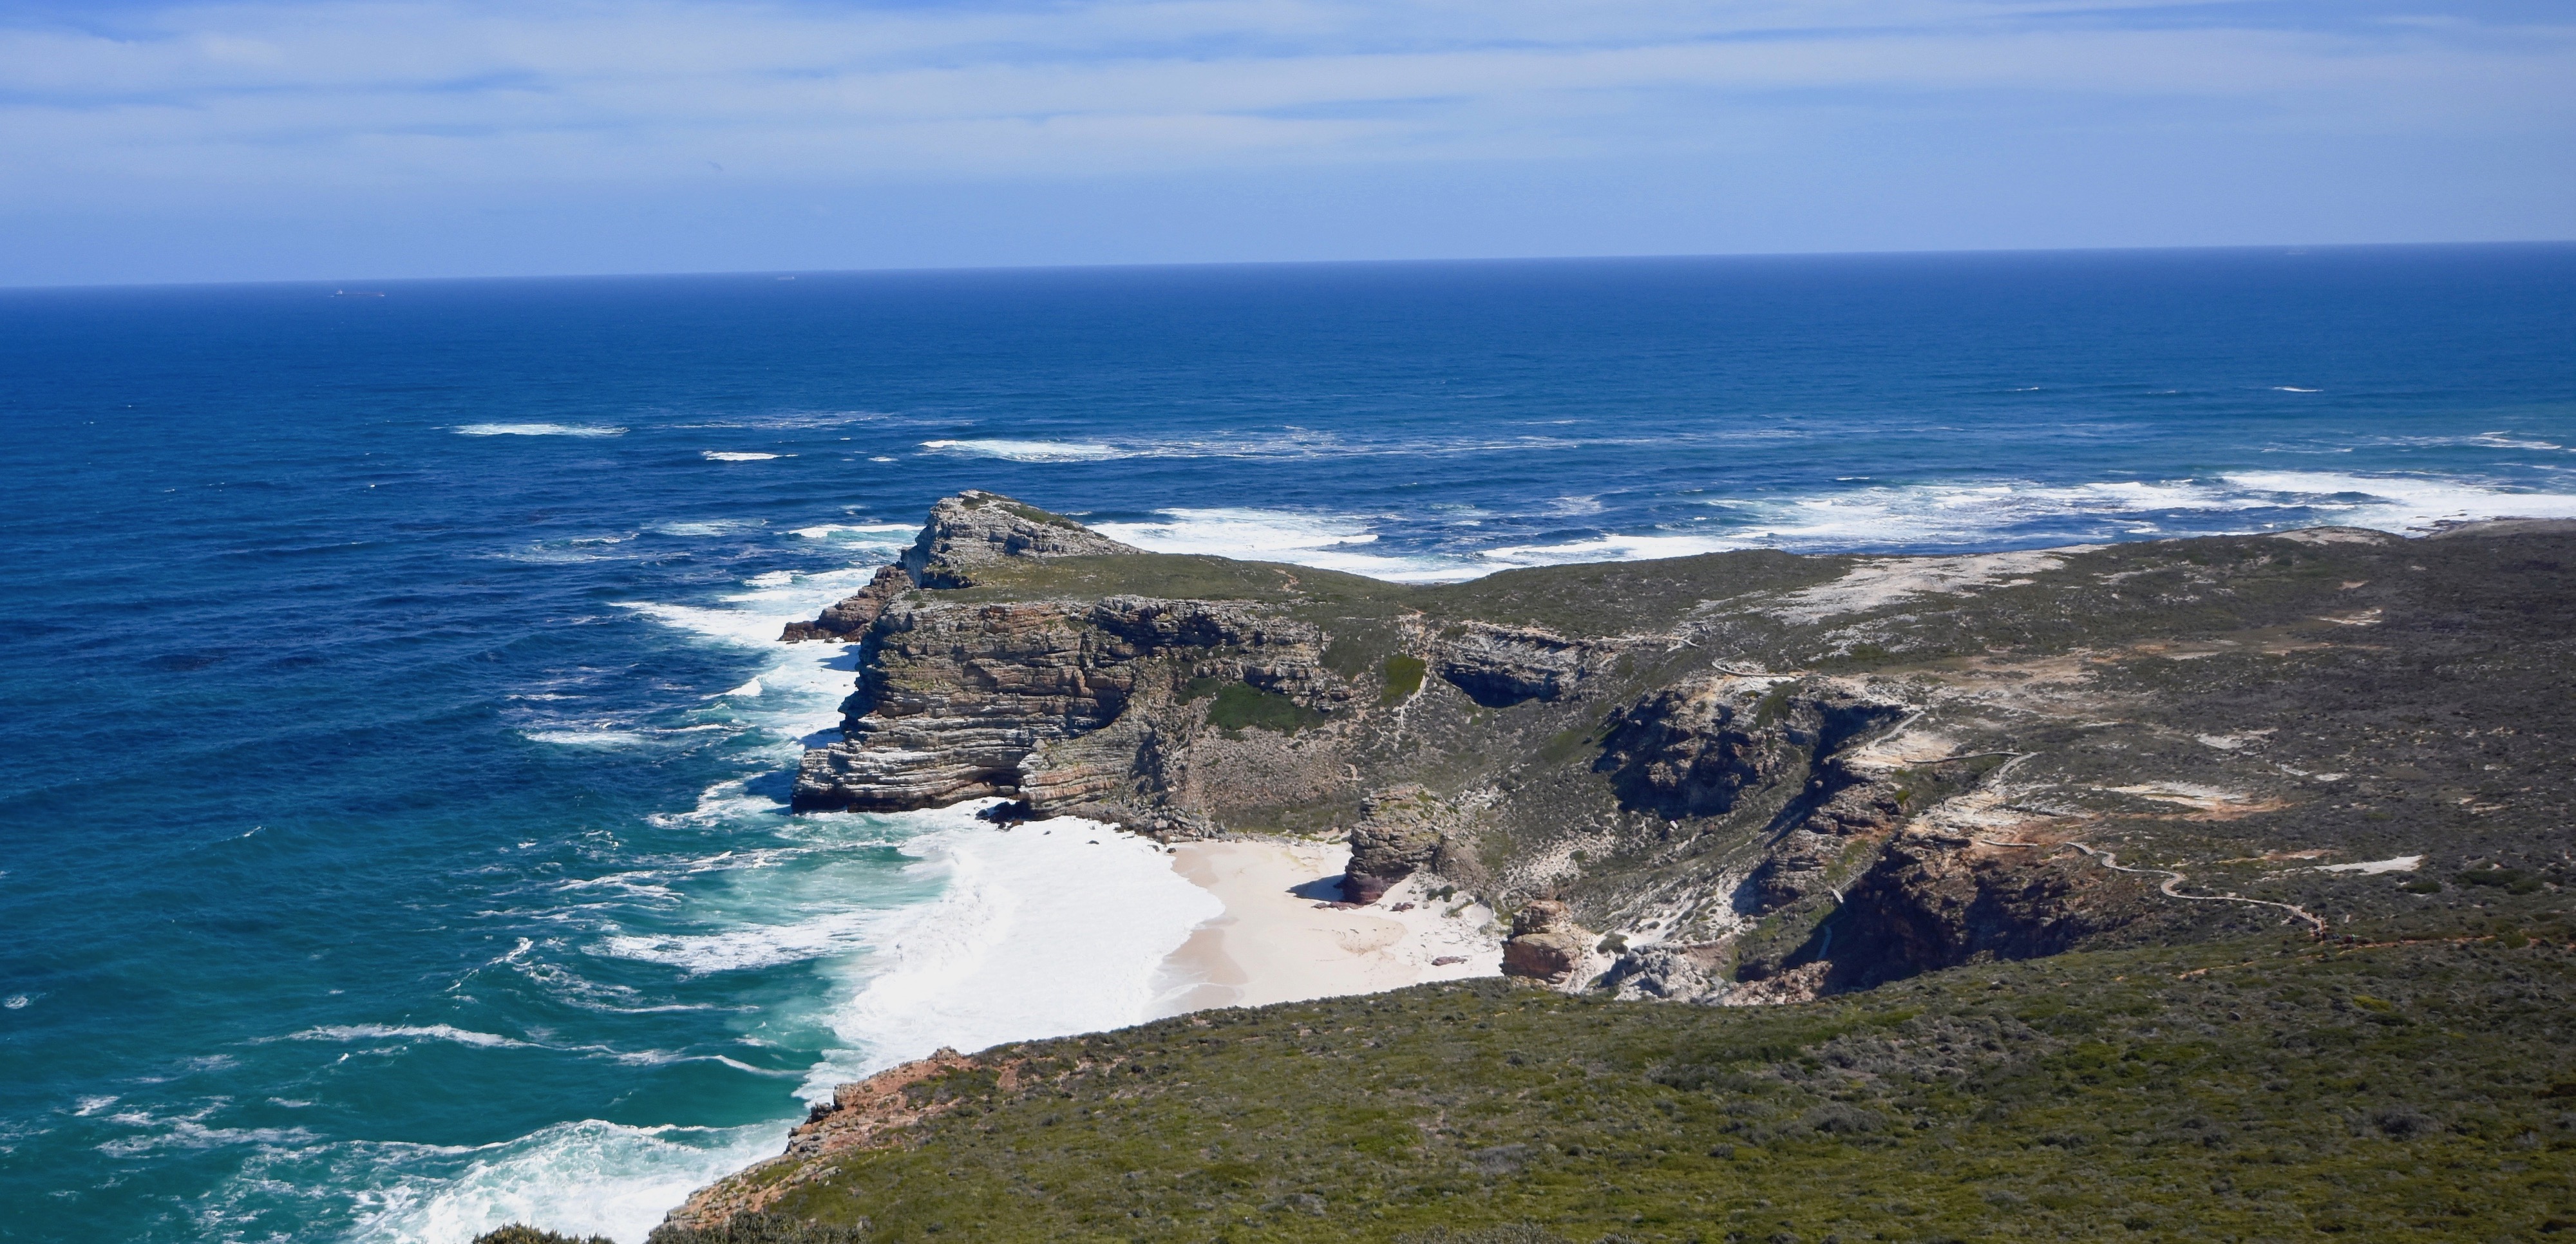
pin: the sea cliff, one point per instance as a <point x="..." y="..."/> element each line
<point x="1730" y="779"/>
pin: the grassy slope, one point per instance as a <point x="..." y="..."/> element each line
<point x="2249" y="1086"/>
<point x="2259" y="1088"/>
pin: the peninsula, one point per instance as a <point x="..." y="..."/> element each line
<point x="2208" y="888"/>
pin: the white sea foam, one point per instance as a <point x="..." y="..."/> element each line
<point x="586" y="738"/>
<point x="1028" y="451"/>
<point x="1609" y="548"/>
<point x="747" y="946"/>
<point x="1049" y="928"/>
<point x="1328" y="542"/>
<point x="2401" y="502"/>
<point x="892" y="535"/>
<point x="427" y="1032"/>
<point x="709" y="527"/>
<point x="738" y="455"/>
<point x="583" y="1178"/>
<point x="539" y="429"/>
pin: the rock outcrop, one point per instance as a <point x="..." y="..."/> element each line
<point x="868" y="1114"/>
<point x="1669" y="973"/>
<point x="1399" y="833"/>
<point x="966" y="701"/>
<point x="976" y="529"/>
<point x="848" y="620"/>
<point x="1592" y="734"/>
<point x="1500" y="666"/>
<point x="1695" y="749"/>
<point x="1546" y="946"/>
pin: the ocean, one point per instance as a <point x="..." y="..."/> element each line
<point x="392" y="832"/>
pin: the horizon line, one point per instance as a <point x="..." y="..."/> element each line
<point x="2286" y="248"/>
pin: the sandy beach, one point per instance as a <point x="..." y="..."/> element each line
<point x="1278" y="942"/>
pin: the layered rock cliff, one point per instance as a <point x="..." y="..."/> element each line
<point x="1747" y="778"/>
<point x="1758" y="776"/>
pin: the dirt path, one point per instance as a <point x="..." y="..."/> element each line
<point x="2171" y="880"/>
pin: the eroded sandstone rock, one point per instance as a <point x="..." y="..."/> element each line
<point x="1399" y="833"/>
<point x="1546" y="947"/>
<point x="1696" y="748"/>
<point x="975" y="529"/>
<point x="848" y="620"/>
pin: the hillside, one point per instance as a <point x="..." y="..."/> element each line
<point x="2254" y="850"/>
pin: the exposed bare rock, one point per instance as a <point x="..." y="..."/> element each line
<point x="1499" y="666"/>
<point x="1019" y="699"/>
<point x="848" y="620"/>
<point x="954" y="698"/>
<point x="975" y="529"/>
<point x="1671" y="973"/>
<point x="1696" y="748"/>
<point x="1400" y="831"/>
<point x="1816" y="827"/>
<point x="865" y="1115"/>
<point x="1933" y="901"/>
<point x="1546" y="946"/>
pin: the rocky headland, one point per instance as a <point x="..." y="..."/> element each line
<point x="1791" y="774"/>
<point x="1745" y="777"/>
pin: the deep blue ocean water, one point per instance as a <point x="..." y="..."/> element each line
<point x="390" y="746"/>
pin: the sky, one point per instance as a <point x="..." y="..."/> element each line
<point x="344" y="139"/>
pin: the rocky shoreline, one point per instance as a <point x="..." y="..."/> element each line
<point x="1772" y="744"/>
<point x="1751" y="777"/>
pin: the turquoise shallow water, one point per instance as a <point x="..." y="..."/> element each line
<point x="390" y="827"/>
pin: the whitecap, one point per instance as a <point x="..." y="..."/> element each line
<point x="586" y="738"/>
<point x="748" y="946"/>
<point x="539" y="429"/>
<point x="2284" y="388"/>
<point x="584" y="1178"/>
<point x="1612" y="548"/>
<point x="709" y="527"/>
<point x="2401" y="502"/>
<point x="1324" y="541"/>
<point x="732" y="455"/>
<point x="893" y="534"/>
<point x="431" y="1032"/>
<point x="1027" y="451"/>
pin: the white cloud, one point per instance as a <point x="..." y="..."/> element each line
<point x="371" y="93"/>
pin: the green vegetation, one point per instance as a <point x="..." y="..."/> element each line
<point x="2257" y="1088"/>
<point x="744" y="1229"/>
<point x="1403" y="678"/>
<point x="518" y="1233"/>
<point x="1241" y="705"/>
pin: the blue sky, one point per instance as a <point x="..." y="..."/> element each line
<point x="148" y="141"/>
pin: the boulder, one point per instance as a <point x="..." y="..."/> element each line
<point x="1671" y="973"/>
<point x="1399" y="832"/>
<point x="1546" y="946"/>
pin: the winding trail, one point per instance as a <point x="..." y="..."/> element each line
<point x="2171" y="879"/>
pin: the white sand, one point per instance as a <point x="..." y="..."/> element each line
<point x="1274" y="944"/>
